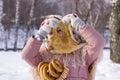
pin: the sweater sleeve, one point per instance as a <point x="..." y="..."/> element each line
<point x="30" y="52"/>
<point x="95" y="43"/>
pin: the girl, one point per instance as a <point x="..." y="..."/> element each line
<point x="80" y="62"/>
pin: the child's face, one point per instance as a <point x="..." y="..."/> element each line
<point x="61" y="39"/>
<point x="51" y="35"/>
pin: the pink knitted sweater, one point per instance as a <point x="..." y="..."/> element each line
<point x="31" y="55"/>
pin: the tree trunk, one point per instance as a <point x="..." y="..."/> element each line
<point x="29" y="21"/>
<point x="16" y="37"/>
<point x="27" y="32"/>
<point x="17" y="25"/>
<point x="115" y="32"/>
<point x="5" y="39"/>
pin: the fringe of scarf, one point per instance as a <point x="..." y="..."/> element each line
<point x="91" y="68"/>
<point x="75" y="59"/>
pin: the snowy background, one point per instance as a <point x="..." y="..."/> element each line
<point x="12" y="67"/>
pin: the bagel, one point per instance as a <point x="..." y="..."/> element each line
<point x="46" y="75"/>
<point x="52" y="71"/>
<point x="40" y="64"/>
<point x="41" y="71"/>
<point x="57" y="65"/>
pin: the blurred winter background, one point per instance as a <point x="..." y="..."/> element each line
<point x="21" y="18"/>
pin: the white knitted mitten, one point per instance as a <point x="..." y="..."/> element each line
<point x="46" y="27"/>
<point x="75" y="21"/>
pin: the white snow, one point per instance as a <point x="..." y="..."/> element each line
<point x="12" y="67"/>
<point x="106" y="69"/>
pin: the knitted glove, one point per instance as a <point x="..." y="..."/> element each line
<point x="46" y="27"/>
<point x="75" y="21"/>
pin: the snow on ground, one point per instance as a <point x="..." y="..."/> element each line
<point x="106" y="69"/>
<point x="12" y="67"/>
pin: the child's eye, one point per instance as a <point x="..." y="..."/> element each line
<point x="51" y="33"/>
<point x="59" y="30"/>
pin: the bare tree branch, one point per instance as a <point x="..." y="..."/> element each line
<point x="89" y="10"/>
